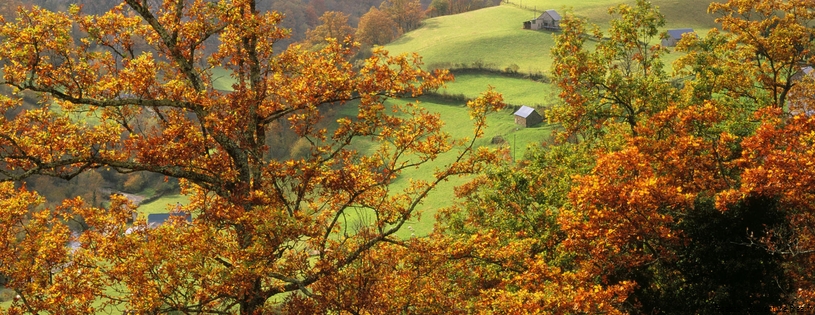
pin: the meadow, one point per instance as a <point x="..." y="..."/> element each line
<point x="459" y="126"/>
<point x="495" y="36"/>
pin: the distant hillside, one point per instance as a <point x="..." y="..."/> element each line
<point x="495" y="37"/>
<point x="492" y="35"/>
<point x="679" y="13"/>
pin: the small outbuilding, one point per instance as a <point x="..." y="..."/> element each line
<point x="675" y="35"/>
<point x="527" y="116"/>
<point x="549" y="20"/>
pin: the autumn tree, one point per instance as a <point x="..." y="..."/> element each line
<point x="376" y="28"/>
<point x="645" y="213"/>
<point x="334" y="25"/>
<point x="638" y="232"/>
<point x="777" y="162"/>
<point x="774" y="38"/>
<point x="509" y="241"/>
<point x="263" y="228"/>
<point x="720" y="270"/>
<point x="438" y="8"/>
<point x="621" y="80"/>
<point x="767" y="45"/>
<point x="407" y="14"/>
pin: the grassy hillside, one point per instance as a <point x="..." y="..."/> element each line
<point x="163" y="205"/>
<point x="516" y="91"/>
<point x="459" y="125"/>
<point x="678" y="13"/>
<point x="495" y="36"/>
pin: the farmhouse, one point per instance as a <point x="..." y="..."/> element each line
<point x="675" y="35"/>
<point x="549" y="20"/>
<point x="527" y="116"/>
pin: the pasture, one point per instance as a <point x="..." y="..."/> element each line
<point x="494" y="37"/>
<point x="458" y="125"/>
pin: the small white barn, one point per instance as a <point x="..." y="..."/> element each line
<point x="549" y="20"/>
<point x="675" y="35"/>
<point x="527" y="116"/>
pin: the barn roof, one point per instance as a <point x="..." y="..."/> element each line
<point x="524" y="111"/>
<point x="677" y="33"/>
<point x="553" y="14"/>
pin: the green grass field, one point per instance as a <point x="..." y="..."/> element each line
<point x="163" y="204"/>
<point x="458" y="125"/>
<point x="466" y="38"/>
<point x="516" y="91"/>
<point x="678" y="13"/>
<point x="495" y="36"/>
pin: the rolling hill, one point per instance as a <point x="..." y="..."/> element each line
<point x="495" y="36"/>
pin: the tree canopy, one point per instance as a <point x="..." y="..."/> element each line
<point x="141" y="80"/>
<point x="683" y="191"/>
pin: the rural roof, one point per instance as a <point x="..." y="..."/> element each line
<point x="553" y="14"/>
<point x="524" y="111"/>
<point x="677" y="33"/>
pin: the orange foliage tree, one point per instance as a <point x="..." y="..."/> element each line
<point x="774" y="39"/>
<point x="508" y="242"/>
<point x="376" y="28"/>
<point x="264" y="230"/>
<point x="647" y="206"/>
<point x="406" y="13"/>
<point x="641" y="222"/>
<point x="333" y="25"/>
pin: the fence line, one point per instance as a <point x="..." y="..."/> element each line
<point x="521" y="5"/>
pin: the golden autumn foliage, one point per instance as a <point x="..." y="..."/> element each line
<point x="689" y="192"/>
<point x="736" y="132"/>
<point x="265" y="233"/>
<point x="774" y="39"/>
<point x="407" y="14"/>
<point x="332" y="25"/>
<point x="376" y="27"/>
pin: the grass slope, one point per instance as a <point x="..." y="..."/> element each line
<point x="494" y="36"/>
<point x="516" y="91"/>
<point x="163" y="205"/>
<point x="459" y="125"/>
<point x="678" y="13"/>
